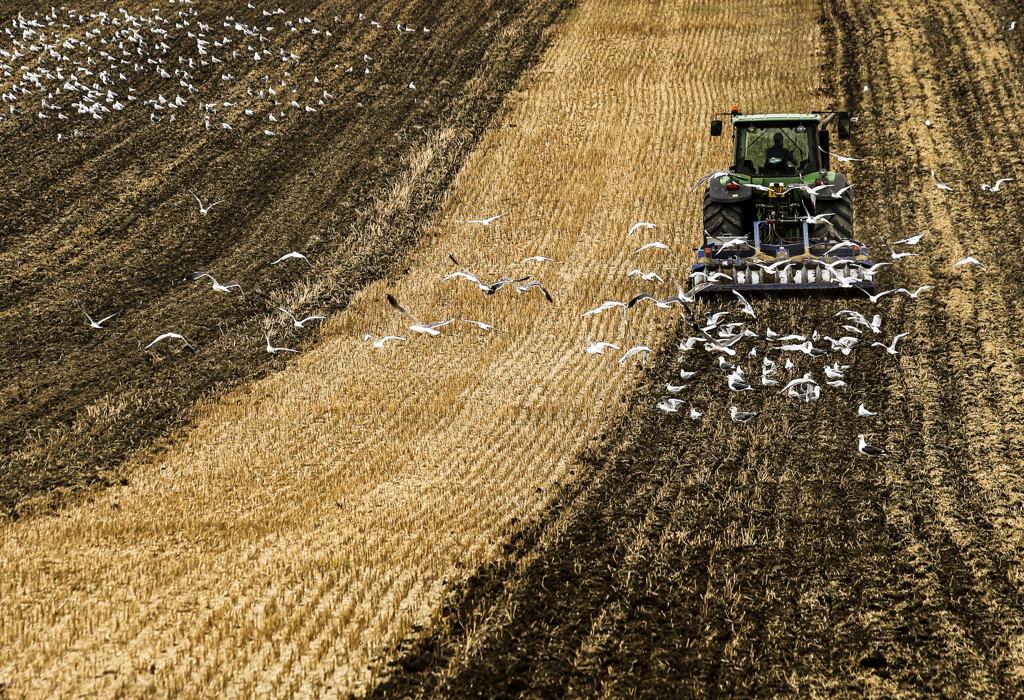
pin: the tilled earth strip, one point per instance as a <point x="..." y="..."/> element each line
<point x="705" y="560"/>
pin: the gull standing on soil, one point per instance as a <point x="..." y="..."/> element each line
<point x="293" y="254"/>
<point x="940" y="184"/>
<point x="297" y="322"/>
<point x="642" y="224"/>
<point x="633" y="351"/>
<point x="598" y="348"/>
<point x="969" y="261"/>
<point x="864" y="412"/>
<point x="865" y="449"/>
<point x="891" y="347"/>
<point x="736" y="383"/>
<point x="204" y="210"/>
<point x="377" y="343"/>
<point x="272" y="350"/>
<point x="217" y="286"/>
<point x="417" y="325"/>
<point x="483" y="222"/>
<point x="739" y="416"/>
<point x="673" y="388"/>
<point x="165" y="336"/>
<point x="95" y="324"/>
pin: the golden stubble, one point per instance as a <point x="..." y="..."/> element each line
<point x="306" y="524"/>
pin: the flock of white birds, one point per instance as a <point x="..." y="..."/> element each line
<point x="76" y="67"/>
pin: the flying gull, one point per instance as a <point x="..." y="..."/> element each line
<point x="378" y="343"/>
<point x="891" y="347"/>
<point x="996" y="187"/>
<point x="217" y="286"/>
<point x="205" y="210"/>
<point x="484" y="222"/>
<point x="599" y="348"/>
<point x="417" y="325"/>
<point x="969" y="261"/>
<point x="272" y="350"/>
<point x="297" y="322"/>
<point x="633" y="351"/>
<point x="913" y="295"/>
<point x="482" y="326"/>
<point x="670" y="405"/>
<point x="642" y="224"/>
<point x="656" y="244"/>
<point x="95" y="324"/>
<point x="940" y="184"/>
<point x="293" y="254"/>
<point x="165" y="336"/>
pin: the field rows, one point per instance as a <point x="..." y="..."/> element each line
<point x="306" y="524"/>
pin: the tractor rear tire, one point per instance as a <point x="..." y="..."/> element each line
<point x="842" y="220"/>
<point x="722" y="219"/>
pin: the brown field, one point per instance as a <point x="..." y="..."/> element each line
<point x="307" y="533"/>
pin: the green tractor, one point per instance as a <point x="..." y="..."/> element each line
<point x="779" y="217"/>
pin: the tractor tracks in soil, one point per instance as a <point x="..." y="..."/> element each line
<point x="709" y="560"/>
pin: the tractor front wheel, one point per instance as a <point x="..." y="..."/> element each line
<point x="722" y="219"/>
<point x="842" y="219"/>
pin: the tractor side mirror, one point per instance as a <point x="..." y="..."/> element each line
<point x="844" y="126"/>
<point x="716" y="127"/>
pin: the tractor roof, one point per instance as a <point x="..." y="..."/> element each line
<point x="757" y="118"/>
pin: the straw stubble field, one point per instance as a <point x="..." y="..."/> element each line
<point x="307" y="525"/>
<point x="773" y="560"/>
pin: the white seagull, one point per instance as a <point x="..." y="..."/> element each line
<point x="417" y="325"/>
<point x="272" y="350"/>
<point x="940" y="184"/>
<point x="297" y="322"/>
<point x="95" y="324"/>
<point x="537" y="258"/>
<point x="747" y="308"/>
<point x="739" y="416"/>
<point x="695" y="414"/>
<point x="380" y="343"/>
<point x="656" y="244"/>
<point x="482" y="326"/>
<point x="633" y="351"/>
<point x="913" y="295"/>
<point x="293" y="254"/>
<point x="642" y="224"/>
<point x="996" y="187"/>
<point x="599" y="348"/>
<point x="484" y="222"/>
<point x="648" y="276"/>
<point x="204" y="210"/>
<point x="864" y="412"/>
<point x="608" y="305"/>
<point x="842" y="159"/>
<point x="891" y="347"/>
<point x="165" y="336"/>
<point x="866" y="449"/>
<point x="913" y="240"/>
<point x="217" y="286"/>
<point x="875" y="297"/>
<point x="969" y="261"/>
<point x="669" y="405"/>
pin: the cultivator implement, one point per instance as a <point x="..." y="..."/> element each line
<point x="742" y="264"/>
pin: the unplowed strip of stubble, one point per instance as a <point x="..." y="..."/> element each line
<point x="307" y="524"/>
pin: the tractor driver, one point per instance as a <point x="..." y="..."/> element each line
<point x="778" y="156"/>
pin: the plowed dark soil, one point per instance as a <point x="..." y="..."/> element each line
<point x="709" y="559"/>
<point x="104" y="216"/>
